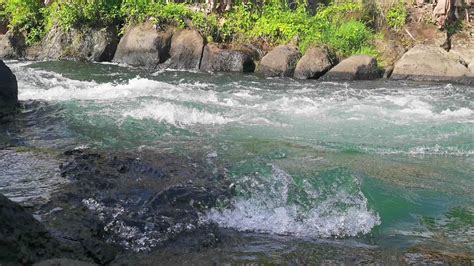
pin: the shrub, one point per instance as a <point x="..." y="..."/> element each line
<point x="77" y="13"/>
<point x="24" y="16"/>
<point x="349" y="38"/>
<point x="397" y="15"/>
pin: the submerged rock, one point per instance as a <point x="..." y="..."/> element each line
<point x="85" y="44"/>
<point x="226" y="60"/>
<point x="279" y="62"/>
<point x="186" y="50"/>
<point x="315" y="63"/>
<point x="23" y="239"/>
<point x="432" y="63"/>
<point x="12" y="46"/>
<point x="8" y="88"/>
<point x="143" y="46"/>
<point x="133" y="202"/>
<point x="358" y="67"/>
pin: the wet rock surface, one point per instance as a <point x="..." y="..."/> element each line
<point x="63" y="262"/>
<point x="23" y="239"/>
<point x="117" y="204"/>
<point x="8" y="88"/>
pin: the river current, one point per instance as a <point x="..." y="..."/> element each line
<point x="381" y="166"/>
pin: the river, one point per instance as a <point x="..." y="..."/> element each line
<point x="322" y="172"/>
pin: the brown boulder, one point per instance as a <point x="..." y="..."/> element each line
<point x="315" y="63"/>
<point x="186" y="50"/>
<point x="215" y="59"/>
<point x="143" y="46"/>
<point x="357" y="67"/>
<point x="432" y="63"/>
<point x="279" y="62"/>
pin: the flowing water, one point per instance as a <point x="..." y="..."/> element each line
<point x="384" y="166"/>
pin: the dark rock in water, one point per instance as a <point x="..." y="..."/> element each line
<point x="315" y="63"/>
<point x="357" y="67"/>
<point x="133" y="201"/>
<point x="23" y="239"/>
<point x="226" y="60"/>
<point x="279" y="62"/>
<point x="186" y="50"/>
<point x="63" y="262"/>
<point x="97" y="45"/>
<point x="8" y="89"/>
<point x="12" y="46"/>
<point x="143" y="46"/>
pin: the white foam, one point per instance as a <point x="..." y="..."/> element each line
<point x="271" y="213"/>
<point x="176" y="114"/>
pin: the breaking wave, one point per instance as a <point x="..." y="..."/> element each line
<point x="334" y="209"/>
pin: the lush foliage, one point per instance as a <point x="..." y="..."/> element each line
<point x="341" y="26"/>
<point x="76" y="13"/>
<point x="397" y="15"/>
<point x="24" y="15"/>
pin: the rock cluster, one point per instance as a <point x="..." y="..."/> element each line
<point x="144" y="45"/>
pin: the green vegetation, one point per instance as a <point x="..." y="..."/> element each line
<point x="23" y="15"/>
<point x="345" y="26"/>
<point x="397" y="15"/>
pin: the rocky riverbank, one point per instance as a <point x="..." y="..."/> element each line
<point x="147" y="46"/>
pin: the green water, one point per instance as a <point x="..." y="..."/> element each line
<point x="385" y="164"/>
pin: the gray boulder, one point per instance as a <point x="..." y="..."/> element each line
<point x="432" y="63"/>
<point x="315" y="63"/>
<point x="12" y="46"/>
<point x="143" y="46"/>
<point x="186" y="50"/>
<point x="23" y="240"/>
<point x="357" y="67"/>
<point x="462" y="45"/>
<point x="279" y="62"/>
<point x="215" y="59"/>
<point x="8" y="89"/>
<point x="85" y="44"/>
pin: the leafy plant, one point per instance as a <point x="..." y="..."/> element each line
<point x="397" y="15"/>
<point x="24" y="16"/>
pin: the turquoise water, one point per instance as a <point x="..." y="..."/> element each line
<point x="387" y="164"/>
